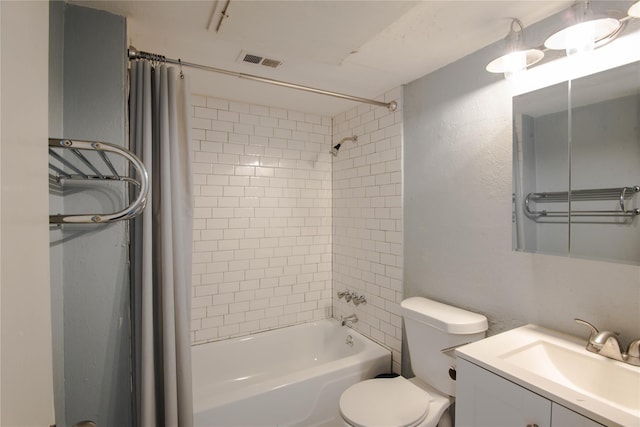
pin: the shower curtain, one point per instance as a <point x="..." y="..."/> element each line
<point x="160" y="248"/>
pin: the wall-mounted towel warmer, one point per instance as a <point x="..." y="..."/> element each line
<point x="80" y="167"/>
<point x="620" y="194"/>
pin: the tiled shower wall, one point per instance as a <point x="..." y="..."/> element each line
<point x="367" y="220"/>
<point x="262" y="229"/>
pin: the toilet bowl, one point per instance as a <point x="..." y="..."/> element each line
<point x="422" y="401"/>
<point x="393" y="402"/>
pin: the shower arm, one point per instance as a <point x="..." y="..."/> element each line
<point x="336" y="147"/>
<point x="353" y="138"/>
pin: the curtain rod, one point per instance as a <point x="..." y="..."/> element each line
<point x="133" y="53"/>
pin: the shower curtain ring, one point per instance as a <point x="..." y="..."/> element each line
<point x="181" y="73"/>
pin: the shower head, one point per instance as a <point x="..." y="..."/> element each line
<point x="336" y="147"/>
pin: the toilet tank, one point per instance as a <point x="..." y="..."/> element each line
<point x="431" y="327"/>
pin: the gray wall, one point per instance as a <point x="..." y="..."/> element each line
<point x="457" y="180"/>
<point x="95" y="285"/>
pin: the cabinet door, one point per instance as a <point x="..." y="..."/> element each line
<point x="484" y="399"/>
<point x="563" y="417"/>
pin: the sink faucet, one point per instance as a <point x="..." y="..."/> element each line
<point x="606" y="344"/>
<point x="349" y="319"/>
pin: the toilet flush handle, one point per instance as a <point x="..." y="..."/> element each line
<point x="449" y="351"/>
<point x="452" y="372"/>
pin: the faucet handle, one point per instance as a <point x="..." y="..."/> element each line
<point x="634" y="349"/>
<point x="593" y="329"/>
<point x="359" y="299"/>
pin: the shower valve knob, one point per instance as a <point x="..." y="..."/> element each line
<point x="359" y="299"/>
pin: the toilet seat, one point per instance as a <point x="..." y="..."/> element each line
<point x="389" y="402"/>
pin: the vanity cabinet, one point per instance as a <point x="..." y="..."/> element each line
<point x="485" y="399"/>
<point x="563" y="417"/>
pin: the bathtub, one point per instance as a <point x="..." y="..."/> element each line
<point x="291" y="376"/>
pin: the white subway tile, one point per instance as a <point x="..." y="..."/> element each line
<point x="220" y="126"/>
<point x="259" y="110"/>
<point x="218" y="104"/>
<point x="204" y="335"/>
<point x="217" y="136"/>
<point x="235" y="138"/>
<point x="211" y="146"/>
<point x="228" y="330"/>
<point x="263" y="187"/>
<point x="198" y="100"/>
<point x="277" y="113"/>
<point x="263" y="131"/>
<point x="238" y="181"/>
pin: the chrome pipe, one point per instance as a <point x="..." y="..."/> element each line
<point x="86" y="162"/>
<point x="336" y="147"/>
<point x="106" y="160"/>
<point x="353" y="138"/>
<point x="133" y="53"/>
<point x="128" y="212"/>
<point x="65" y="162"/>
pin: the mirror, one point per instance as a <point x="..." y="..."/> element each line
<point x="576" y="167"/>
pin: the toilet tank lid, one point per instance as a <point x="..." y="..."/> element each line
<point x="444" y="317"/>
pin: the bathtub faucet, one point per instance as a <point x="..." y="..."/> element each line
<point x="349" y="319"/>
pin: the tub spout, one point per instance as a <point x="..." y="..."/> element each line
<point x="349" y="319"/>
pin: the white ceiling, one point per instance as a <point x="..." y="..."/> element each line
<point x="360" y="47"/>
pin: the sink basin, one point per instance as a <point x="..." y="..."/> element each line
<point x="558" y="367"/>
<point x="605" y="379"/>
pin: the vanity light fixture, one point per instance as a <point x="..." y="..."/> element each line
<point x="634" y="10"/>
<point x="586" y="32"/>
<point x="516" y="57"/>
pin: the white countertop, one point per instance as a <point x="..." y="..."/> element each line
<point x="503" y="355"/>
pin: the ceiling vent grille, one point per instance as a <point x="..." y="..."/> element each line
<point x="252" y="58"/>
<point x="273" y="63"/>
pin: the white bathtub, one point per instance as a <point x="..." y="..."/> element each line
<point x="285" y="377"/>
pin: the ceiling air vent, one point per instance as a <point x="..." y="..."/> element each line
<point x="273" y="63"/>
<point x="252" y="58"/>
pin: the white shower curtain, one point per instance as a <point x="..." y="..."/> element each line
<point x="161" y="245"/>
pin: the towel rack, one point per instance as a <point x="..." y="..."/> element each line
<point x="620" y="194"/>
<point x="61" y="169"/>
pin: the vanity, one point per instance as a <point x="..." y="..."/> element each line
<point x="532" y="376"/>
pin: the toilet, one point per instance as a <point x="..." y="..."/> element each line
<point x="422" y="401"/>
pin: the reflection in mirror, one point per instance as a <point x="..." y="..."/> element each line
<point x="605" y="153"/>
<point x="577" y="149"/>
<point x="540" y="164"/>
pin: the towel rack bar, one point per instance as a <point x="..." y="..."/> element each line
<point x="561" y="214"/>
<point x="59" y="171"/>
<point x="601" y="193"/>
<point x="106" y="160"/>
<point x="139" y="180"/>
<point x="87" y="163"/>
<point x="65" y="162"/>
<point x="596" y="194"/>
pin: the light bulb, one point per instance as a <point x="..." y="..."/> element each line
<point x="587" y="32"/>
<point x="516" y="57"/>
<point x="580" y="38"/>
<point x="515" y="62"/>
